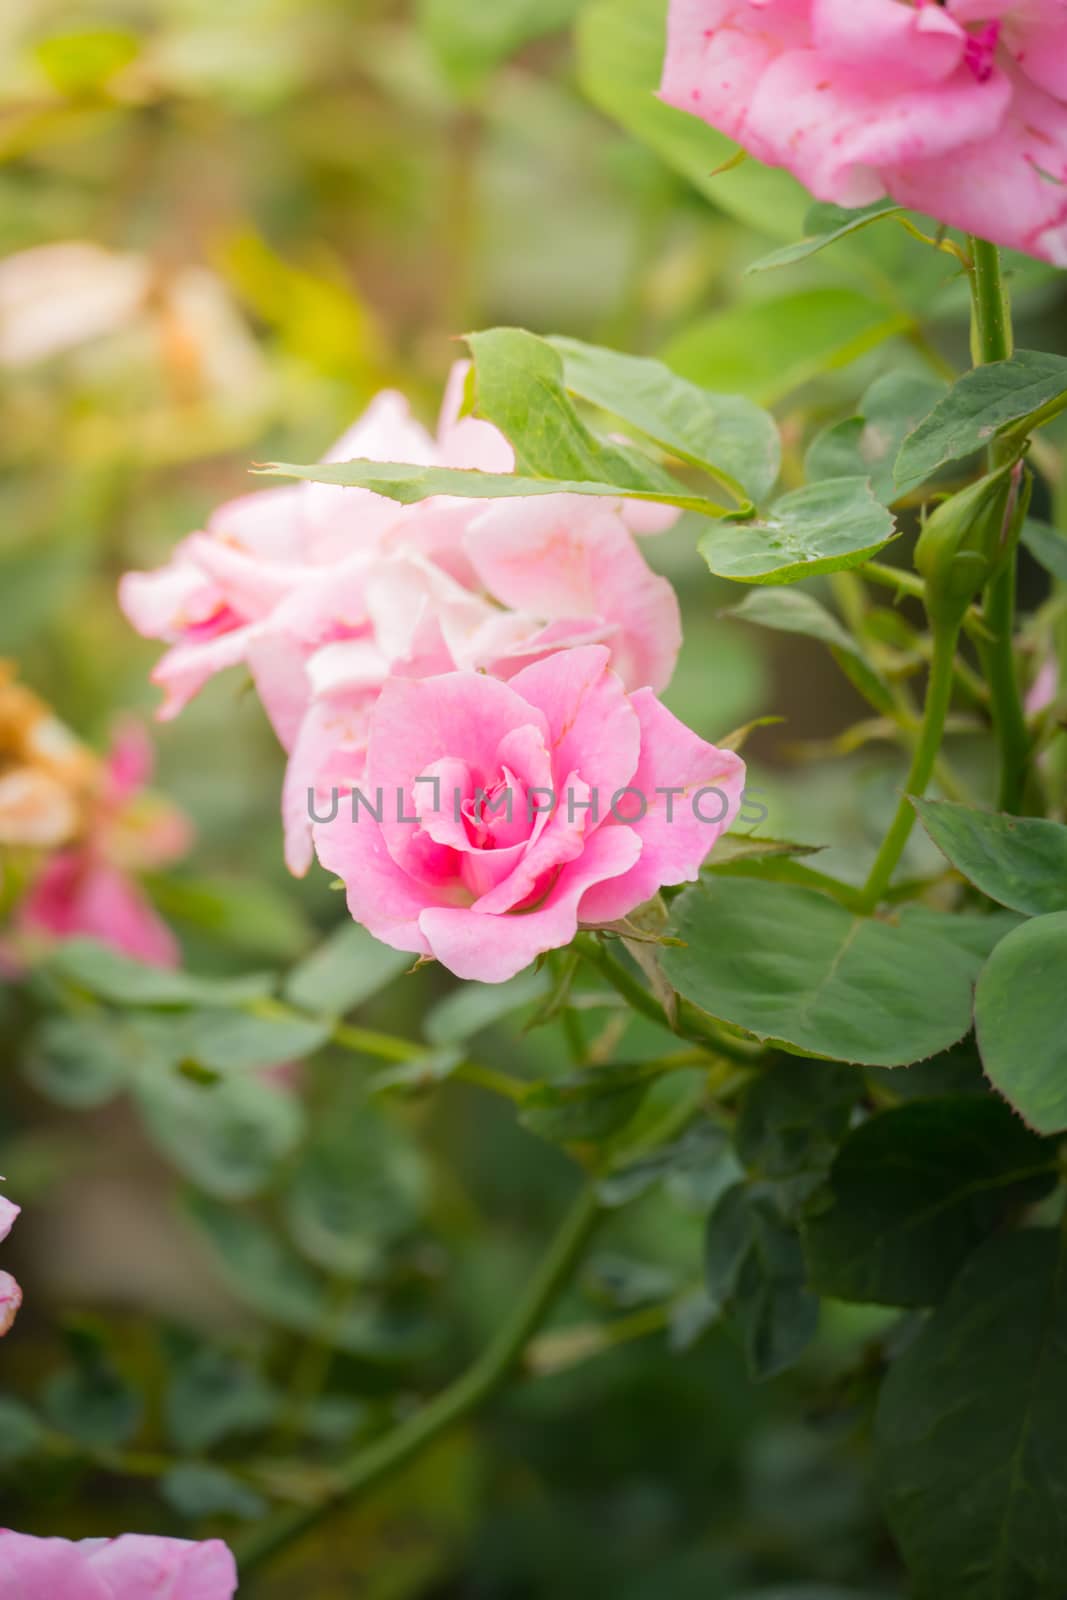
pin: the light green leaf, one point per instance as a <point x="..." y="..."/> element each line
<point x="767" y="348"/>
<point x="971" y="1430"/>
<point x="124" y="982"/>
<point x="348" y="967"/>
<point x="468" y="38"/>
<point x="1002" y="399"/>
<point x="197" y="1489"/>
<point x="913" y="1191"/>
<point x="81" y="1062"/>
<point x="1021" y="862"/>
<point x="228" y="1137"/>
<point x="474" y="1006"/>
<point x="213" y="1395"/>
<point x="792" y="966"/>
<point x="620" y="59"/>
<point x="823" y="226"/>
<point x="824" y="527"/>
<point x="1019" y="1019"/>
<point x="727" y="436"/>
<point x="868" y="444"/>
<point x="790" y="610"/>
<point x="228" y="1041"/>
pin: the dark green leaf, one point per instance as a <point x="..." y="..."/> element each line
<point x="81" y="1062"/>
<point x="212" y="1395"/>
<point x="701" y="1160"/>
<point x="822" y="528"/>
<point x="971" y="1430"/>
<point x="823" y="226"/>
<point x="93" y="1404"/>
<point x="915" y="1190"/>
<point x="868" y="444"/>
<point x="21" y="1432"/>
<point x="347" y="968"/>
<point x="196" y="1489"/>
<point x="228" y="1137"/>
<point x="588" y="1106"/>
<point x="792" y="1119"/>
<point x="791" y="965"/>
<point x="755" y="1271"/>
<point x="998" y="399"/>
<point x="1021" y="862"/>
<point x="719" y="433"/>
<point x="1019" y="1018"/>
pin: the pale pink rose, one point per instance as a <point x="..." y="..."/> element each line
<point x="1044" y="688"/>
<point x="324" y="592"/>
<point x="957" y="110"/>
<point x="582" y="767"/>
<point x="10" y="1293"/>
<point x="90" y="889"/>
<point x="135" y="1566"/>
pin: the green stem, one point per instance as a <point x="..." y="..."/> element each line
<point x="470" y="1391"/>
<point x="924" y="758"/>
<point x="992" y="341"/>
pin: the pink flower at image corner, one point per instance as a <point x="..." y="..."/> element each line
<point x="324" y="592"/>
<point x="958" y="110"/>
<point x="134" y="1566"/>
<point x="10" y="1293"/>
<point x="484" y="892"/>
<point x="89" y="889"/>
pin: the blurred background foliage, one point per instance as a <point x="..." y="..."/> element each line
<point x="223" y="229"/>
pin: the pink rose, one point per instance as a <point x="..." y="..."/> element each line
<point x="958" y="110"/>
<point x="10" y="1293"/>
<point x="493" y="818"/>
<point x="135" y="1566"/>
<point x="325" y="592"/>
<point x="90" y="889"/>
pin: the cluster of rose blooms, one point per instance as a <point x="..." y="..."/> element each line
<point x="463" y="656"/>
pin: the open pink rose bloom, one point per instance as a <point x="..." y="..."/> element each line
<point x="495" y="817"/>
<point x="134" y="1566"/>
<point x="958" y="109"/>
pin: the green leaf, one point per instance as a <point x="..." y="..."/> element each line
<point x="229" y="1041"/>
<point x="725" y="435"/>
<point x="620" y="57"/>
<point x="212" y="1396"/>
<point x="971" y="1430"/>
<point x="792" y="1120"/>
<point x="471" y="1007"/>
<point x="348" y="967"/>
<point x="702" y="1158"/>
<point x="767" y="348"/>
<point x="755" y="1270"/>
<point x="1018" y="1015"/>
<point x="792" y="966"/>
<point x="241" y="912"/>
<point x="196" y="1489"/>
<point x="92" y="1403"/>
<point x="228" y="1137"/>
<point x="914" y="1191"/>
<point x="276" y="1283"/>
<point x="1002" y="399"/>
<point x="1046" y="545"/>
<point x="124" y="982"/>
<point x="21" y="1432"/>
<point x="824" y="527"/>
<point x="790" y="610"/>
<point x="868" y="444"/>
<point x="823" y="226"/>
<point x="81" y="1062"/>
<point x="1021" y="862"/>
<point x="357" y="1189"/>
<point x="590" y="1105"/>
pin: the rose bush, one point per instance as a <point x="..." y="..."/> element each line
<point x="958" y="110"/>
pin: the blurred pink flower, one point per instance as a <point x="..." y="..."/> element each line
<point x="324" y="592"/>
<point x="89" y="888"/>
<point x="10" y="1293"/>
<point x="505" y="814"/>
<point x="956" y="109"/>
<point x="1044" y="688"/>
<point x="135" y="1566"/>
